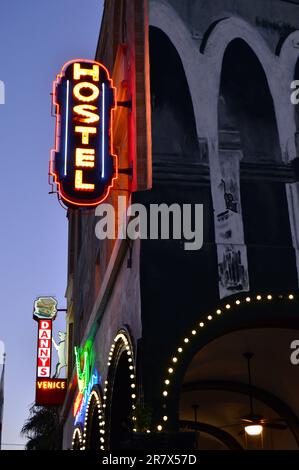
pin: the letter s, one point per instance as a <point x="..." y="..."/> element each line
<point x="86" y="113"/>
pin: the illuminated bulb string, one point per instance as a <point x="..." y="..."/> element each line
<point x="120" y="337"/>
<point x="75" y="433"/>
<point x="99" y="408"/>
<point x="174" y="360"/>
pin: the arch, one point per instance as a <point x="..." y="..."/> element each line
<point x="224" y="437"/>
<point x="163" y="16"/>
<point x="266" y="313"/>
<point x="92" y="439"/>
<point x="120" y="392"/>
<point x="281" y="408"/>
<point x="174" y="132"/>
<point x="203" y="71"/>
<point x="77" y="439"/>
<point x="246" y="106"/>
<point x="229" y="29"/>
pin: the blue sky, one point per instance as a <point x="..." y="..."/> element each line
<point x="36" y="39"/>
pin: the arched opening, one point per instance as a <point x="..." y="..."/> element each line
<point x="77" y="439"/>
<point x="250" y="158"/>
<point x="121" y="405"/>
<point x="246" y="106"/>
<point x="93" y="436"/>
<point x="173" y="124"/>
<point x="218" y="398"/>
<point x="267" y="319"/>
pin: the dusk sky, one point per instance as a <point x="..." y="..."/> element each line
<point x="36" y="39"/>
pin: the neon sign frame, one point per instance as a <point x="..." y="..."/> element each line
<point x="62" y="156"/>
<point x="87" y="378"/>
<point x="82" y="398"/>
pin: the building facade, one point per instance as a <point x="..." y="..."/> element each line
<point x="156" y="333"/>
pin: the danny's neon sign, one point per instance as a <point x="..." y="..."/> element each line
<point x="82" y="162"/>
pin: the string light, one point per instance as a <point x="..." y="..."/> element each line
<point x="77" y="433"/>
<point x="94" y="395"/>
<point x="125" y="344"/>
<point x="202" y="325"/>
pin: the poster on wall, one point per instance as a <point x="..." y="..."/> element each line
<point x="229" y="234"/>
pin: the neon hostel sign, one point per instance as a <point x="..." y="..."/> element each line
<point x="82" y="164"/>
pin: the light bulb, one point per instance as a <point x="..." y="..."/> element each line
<point x="254" y="429"/>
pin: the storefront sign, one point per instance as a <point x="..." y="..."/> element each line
<point x="50" y="391"/>
<point x="45" y="308"/>
<point x="44" y="348"/>
<point x="82" y="163"/>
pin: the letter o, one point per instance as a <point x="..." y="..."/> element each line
<point x="90" y="86"/>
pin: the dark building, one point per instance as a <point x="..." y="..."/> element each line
<point x="2" y="371"/>
<point x="161" y="332"/>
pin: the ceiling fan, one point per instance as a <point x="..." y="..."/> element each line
<point x="254" y="423"/>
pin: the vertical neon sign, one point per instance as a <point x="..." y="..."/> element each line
<point x="44" y="349"/>
<point x="82" y="164"/>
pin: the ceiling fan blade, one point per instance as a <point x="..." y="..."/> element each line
<point x="273" y="420"/>
<point x="280" y="426"/>
<point x="248" y="420"/>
